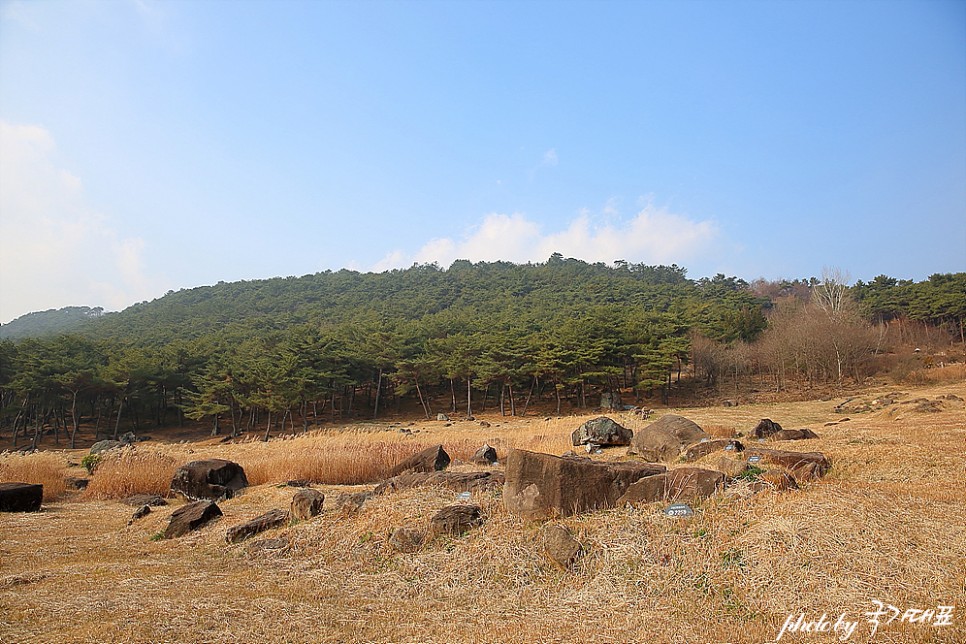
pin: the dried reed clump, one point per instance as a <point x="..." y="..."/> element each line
<point x="123" y="473"/>
<point x="328" y="462"/>
<point x="44" y="468"/>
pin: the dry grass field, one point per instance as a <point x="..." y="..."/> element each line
<point x="887" y="523"/>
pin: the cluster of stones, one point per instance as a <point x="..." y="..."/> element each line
<point x="542" y="485"/>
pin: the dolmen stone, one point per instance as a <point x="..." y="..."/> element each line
<point x="682" y="484"/>
<point x="664" y="439"/>
<point x="802" y="465"/>
<point x="306" y="504"/>
<point x="603" y="432"/>
<point x="456" y="520"/>
<point x="456" y="481"/>
<point x="105" y="445"/>
<point x="211" y="479"/>
<point x="705" y="447"/>
<point x="267" y="521"/>
<point x="793" y="435"/>
<point x="765" y="428"/>
<point x="542" y="485"/>
<point x="406" y="540"/>
<point x="431" y="459"/>
<point x="559" y="545"/>
<point x="486" y="455"/>
<point x="21" y="497"/>
<point x="190" y="517"/>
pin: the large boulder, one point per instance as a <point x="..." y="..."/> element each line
<point x="765" y="428"/>
<point x="456" y="481"/>
<point x="306" y="504"/>
<point x="541" y="485"/>
<point x="664" y="439"/>
<point x="267" y="521"/>
<point x="190" y="517"/>
<point x="431" y="459"/>
<point x="212" y="479"/>
<point x="601" y="431"/>
<point x="793" y="435"/>
<point x="21" y="497"/>
<point x="803" y="465"/>
<point x="682" y="484"/>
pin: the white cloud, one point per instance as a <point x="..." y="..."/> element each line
<point x="550" y="157"/>
<point x="55" y="250"/>
<point x="652" y="236"/>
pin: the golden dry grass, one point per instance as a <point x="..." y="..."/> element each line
<point x="887" y="523"/>
<point x="125" y="472"/>
<point x="42" y="468"/>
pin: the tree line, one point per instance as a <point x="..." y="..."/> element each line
<point x="281" y="354"/>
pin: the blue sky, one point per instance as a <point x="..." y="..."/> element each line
<point x="150" y="146"/>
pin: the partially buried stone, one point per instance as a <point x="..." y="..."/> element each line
<point x="190" y="517"/>
<point x="407" y="540"/>
<point x="267" y="521"/>
<point x="457" y="519"/>
<point x="559" y="545"/>
<point x="140" y="513"/>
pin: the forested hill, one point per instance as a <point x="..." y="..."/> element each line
<point x="50" y="322"/>
<point x="489" y="294"/>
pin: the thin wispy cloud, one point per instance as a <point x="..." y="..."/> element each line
<point x="550" y="157"/>
<point x="652" y="236"/>
<point x="55" y="248"/>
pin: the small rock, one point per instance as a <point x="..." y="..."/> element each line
<point x="456" y="519"/>
<point x="351" y="502"/>
<point x="442" y="417"/>
<point x="483" y="423"/>
<point x="406" y="540"/>
<point x="793" y="435"/>
<point x="559" y="545"/>
<point x="431" y="459"/>
<point x="486" y="455"/>
<point x="307" y="504"/>
<point x="140" y="513"/>
<point x="299" y="483"/>
<point x="76" y="483"/>
<point x="144" y="499"/>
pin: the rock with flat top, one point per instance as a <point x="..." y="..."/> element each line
<point x="212" y="479"/>
<point x="682" y="484"/>
<point x="190" y="517"/>
<point x="21" y="497"/>
<point x="431" y="459"/>
<point x="664" y="439"/>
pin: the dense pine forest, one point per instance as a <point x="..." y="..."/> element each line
<point x="281" y="354"/>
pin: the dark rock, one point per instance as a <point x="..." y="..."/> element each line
<point x="212" y="479"/>
<point x="703" y="448"/>
<point x="559" y="545"/>
<point x="76" y="483"/>
<point x="456" y="481"/>
<point x="406" y="540"/>
<point x="486" y="455"/>
<point x="793" y="435"/>
<point x="144" y="499"/>
<point x="190" y="517"/>
<point x="664" y="439"/>
<point x="682" y="484"/>
<point x="603" y="432"/>
<point x="541" y="485"/>
<point x="483" y="423"/>
<point x="765" y="428"/>
<point x="21" y="497"/>
<point x="307" y="504"/>
<point x="803" y="465"/>
<point x="431" y="459"/>
<point x="267" y="521"/>
<point x="140" y="513"/>
<point x="456" y="519"/>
